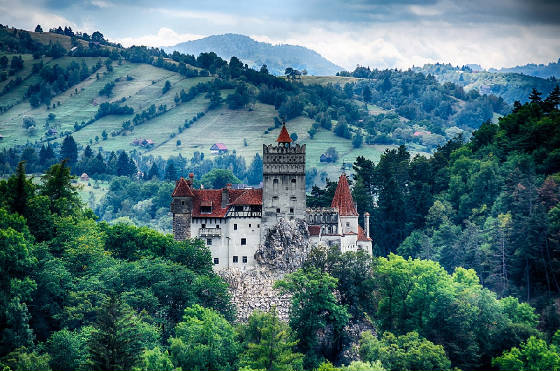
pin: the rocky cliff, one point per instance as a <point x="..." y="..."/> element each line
<point x="285" y="248"/>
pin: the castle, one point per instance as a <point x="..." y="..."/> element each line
<point x="234" y="222"/>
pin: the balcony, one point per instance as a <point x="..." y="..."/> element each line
<point x="209" y="232"/>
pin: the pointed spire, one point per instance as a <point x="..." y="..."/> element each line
<point x="342" y="199"/>
<point x="284" y="136"/>
<point x="182" y="189"/>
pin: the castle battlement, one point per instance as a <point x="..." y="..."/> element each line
<point x="281" y="149"/>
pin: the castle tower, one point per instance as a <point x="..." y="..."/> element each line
<point x="181" y="207"/>
<point x="283" y="181"/>
<point x="343" y="201"/>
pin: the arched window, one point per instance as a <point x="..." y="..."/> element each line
<point x="275" y="185"/>
<point x="293" y="184"/>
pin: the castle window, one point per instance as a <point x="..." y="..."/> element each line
<point x="244" y="259"/>
<point x="275" y="185"/>
<point x="235" y="227"/>
<point x="293" y="199"/>
<point x="249" y="225"/>
<point x="292" y="210"/>
<point x="274" y="200"/>
<point x="243" y="241"/>
<point x="203" y="225"/>
<point x="235" y="259"/>
<point x="206" y="209"/>
<point x="277" y="210"/>
<point x="182" y="202"/>
<point x="293" y="183"/>
<point x="348" y="224"/>
<point x="258" y="225"/>
<point x="209" y="241"/>
<point x="216" y="261"/>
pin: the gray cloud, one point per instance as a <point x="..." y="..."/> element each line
<point x="349" y="32"/>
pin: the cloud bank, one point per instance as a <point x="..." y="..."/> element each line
<point x="374" y="33"/>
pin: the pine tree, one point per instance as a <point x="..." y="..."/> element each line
<point x="99" y="166"/>
<point x="112" y="163"/>
<point x="154" y="172"/>
<point x="69" y="150"/>
<point x="535" y="96"/>
<point x="553" y="100"/>
<point x="124" y="166"/>
<point x="21" y="190"/>
<point x="88" y="153"/>
<point x="115" y="344"/>
<point x="43" y="155"/>
<point x="170" y="170"/>
<point x="57" y="186"/>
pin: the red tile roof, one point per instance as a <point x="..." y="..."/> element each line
<point x="314" y="230"/>
<point x="182" y="189"/>
<point x="219" y="146"/>
<point x="213" y="198"/>
<point x="284" y="136"/>
<point x="208" y="197"/>
<point x="249" y="197"/>
<point x="342" y="199"/>
<point x="362" y="235"/>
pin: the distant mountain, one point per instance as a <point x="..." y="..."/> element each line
<point x="508" y="85"/>
<point x="255" y="54"/>
<point x="538" y="70"/>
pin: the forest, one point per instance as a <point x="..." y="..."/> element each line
<point x="464" y="274"/>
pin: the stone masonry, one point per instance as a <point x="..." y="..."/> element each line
<point x="285" y="248"/>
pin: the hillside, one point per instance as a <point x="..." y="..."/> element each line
<point x="544" y="71"/>
<point x="510" y="84"/>
<point x="255" y="54"/>
<point x="164" y="106"/>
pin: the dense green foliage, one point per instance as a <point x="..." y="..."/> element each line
<point x="77" y="294"/>
<point x="534" y="354"/>
<point x="268" y="344"/>
<point x="314" y="308"/>
<point x="406" y="352"/>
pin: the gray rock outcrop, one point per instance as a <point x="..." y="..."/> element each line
<point x="285" y="248"/>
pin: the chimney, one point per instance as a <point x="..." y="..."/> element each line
<point x="366" y="223"/>
<point x="225" y="197"/>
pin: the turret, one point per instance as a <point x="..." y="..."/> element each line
<point x="181" y="207"/>
<point x="283" y="181"/>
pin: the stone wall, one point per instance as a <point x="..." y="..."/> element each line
<point x="253" y="290"/>
<point x="285" y="248"/>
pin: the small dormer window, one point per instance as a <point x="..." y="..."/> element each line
<point x="206" y="209"/>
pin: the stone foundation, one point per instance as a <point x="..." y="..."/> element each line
<point x="253" y="290"/>
<point x="285" y="248"/>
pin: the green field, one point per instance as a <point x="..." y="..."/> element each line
<point x="243" y="131"/>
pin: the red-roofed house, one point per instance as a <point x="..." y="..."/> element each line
<point x="218" y="148"/>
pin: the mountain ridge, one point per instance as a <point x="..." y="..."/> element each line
<point x="256" y="53"/>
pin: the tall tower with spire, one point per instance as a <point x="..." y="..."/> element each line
<point x="283" y="181"/>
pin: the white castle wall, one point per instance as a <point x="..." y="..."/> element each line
<point x="228" y="244"/>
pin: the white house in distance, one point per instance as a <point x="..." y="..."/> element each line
<point x="233" y="222"/>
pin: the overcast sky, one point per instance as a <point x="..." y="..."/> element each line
<point x="402" y="33"/>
